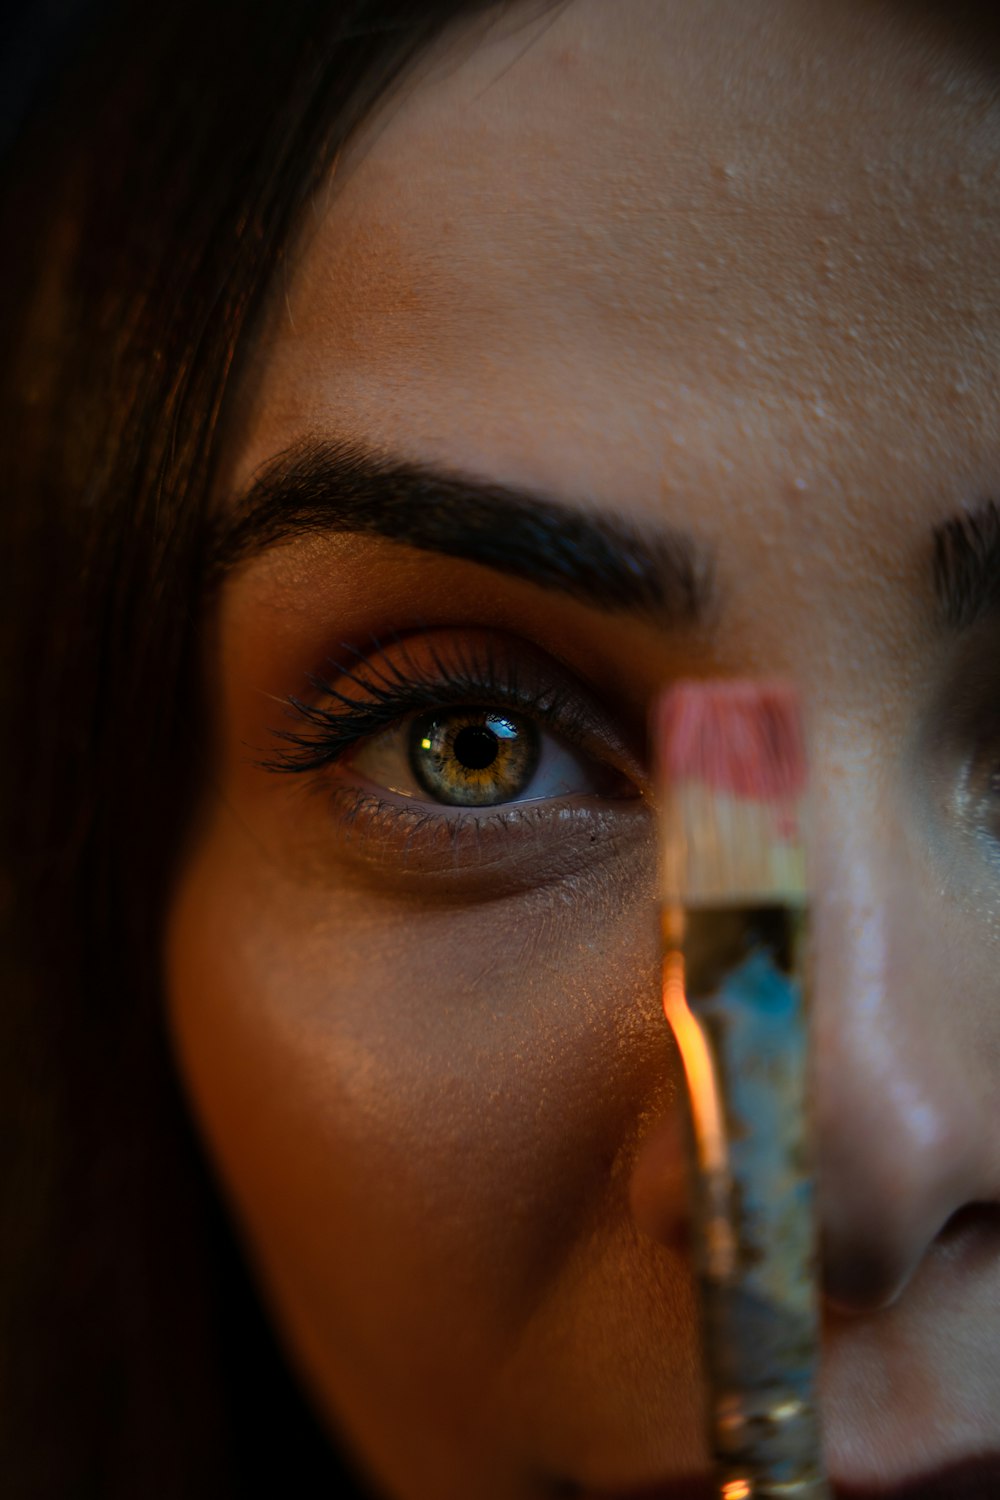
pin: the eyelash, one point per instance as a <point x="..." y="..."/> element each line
<point x="340" y="721"/>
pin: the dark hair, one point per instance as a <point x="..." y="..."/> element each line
<point x="164" y="156"/>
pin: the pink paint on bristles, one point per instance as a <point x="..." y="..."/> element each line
<point x="743" y="737"/>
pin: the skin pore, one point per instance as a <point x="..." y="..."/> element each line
<point x="725" y="267"/>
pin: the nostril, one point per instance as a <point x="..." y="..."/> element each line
<point x="858" y="1280"/>
<point x="973" y="1217"/>
<point x="971" y="1235"/>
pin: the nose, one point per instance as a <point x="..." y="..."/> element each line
<point x="905" y="1047"/>
<point x="902" y="1079"/>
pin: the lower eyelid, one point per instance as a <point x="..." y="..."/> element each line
<point x="495" y="852"/>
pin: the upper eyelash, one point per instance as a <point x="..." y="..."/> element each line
<point x="342" y="721"/>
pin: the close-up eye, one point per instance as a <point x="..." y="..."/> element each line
<point x="457" y="723"/>
<point x="462" y="754"/>
<point x="476" y="757"/>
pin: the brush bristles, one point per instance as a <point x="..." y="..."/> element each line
<point x="732" y="779"/>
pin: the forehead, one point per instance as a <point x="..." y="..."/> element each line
<point x="759" y="234"/>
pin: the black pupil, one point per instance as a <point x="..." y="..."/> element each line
<point x="476" y="747"/>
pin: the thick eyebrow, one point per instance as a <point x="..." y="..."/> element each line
<point x="967" y="566"/>
<point x="343" y="486"/>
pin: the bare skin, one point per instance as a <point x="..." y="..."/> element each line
<point x="726" y="265"/>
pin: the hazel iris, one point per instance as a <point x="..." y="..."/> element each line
<point x="473" y="757"/>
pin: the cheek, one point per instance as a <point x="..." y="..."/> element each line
<point x="421" y="1115"/>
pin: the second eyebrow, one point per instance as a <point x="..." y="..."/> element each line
<point x="663" y="575"/>
<point x="967" y="565"/>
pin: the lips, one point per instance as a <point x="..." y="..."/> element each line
<point x="970" y="1479"/>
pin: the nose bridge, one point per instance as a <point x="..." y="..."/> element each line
<point x="898" y="1138"/>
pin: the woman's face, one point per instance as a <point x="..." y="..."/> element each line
<point x="720" y="275"/>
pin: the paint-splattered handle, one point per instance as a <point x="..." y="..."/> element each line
<point x="746" y="1014"/>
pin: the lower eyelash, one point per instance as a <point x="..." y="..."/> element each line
<point x="387" y="833"/>
<point x="389" y="836"/>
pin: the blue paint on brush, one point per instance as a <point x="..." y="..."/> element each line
<point x="759" y="1041"/>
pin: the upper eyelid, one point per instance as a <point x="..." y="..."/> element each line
<point x="490" y="669"/>
<point x="340" y="729"/>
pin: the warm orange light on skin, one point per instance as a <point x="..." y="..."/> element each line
<point x="706" y="1108"/>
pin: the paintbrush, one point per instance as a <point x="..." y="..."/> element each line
<point x="732" y="777"/>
